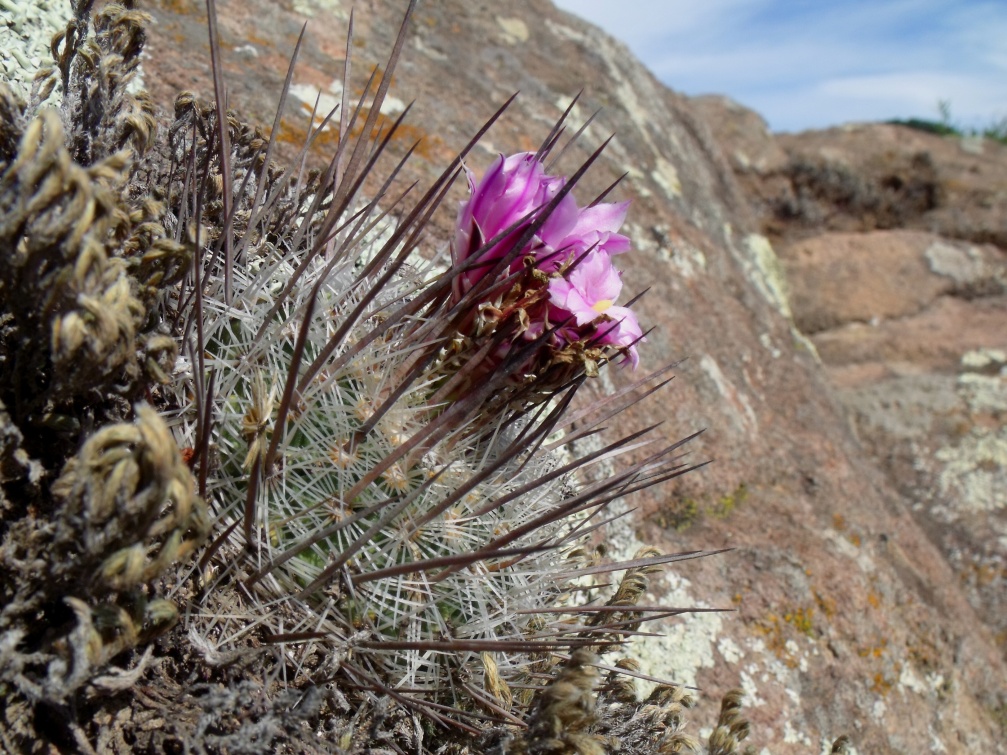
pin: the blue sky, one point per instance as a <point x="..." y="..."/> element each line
<point x="805" y="64"/>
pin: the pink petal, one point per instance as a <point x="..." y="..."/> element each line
<point x="596" y="228"/>
<point x="566" y="297"/>
<point x="596" y="278"/>
<point x="615" y="243"/>
<point x="602" y="218"/>
<point x="561" y="221"/>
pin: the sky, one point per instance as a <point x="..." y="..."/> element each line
<point x="811" y="64"/>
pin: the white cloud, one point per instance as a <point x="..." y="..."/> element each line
<point x="918" y="92"/>
<point x="811" y="65"/>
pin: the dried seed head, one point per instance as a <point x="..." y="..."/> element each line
<point x="731" y="728"/>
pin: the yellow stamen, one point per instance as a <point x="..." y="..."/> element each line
<point x="601" y="305"/>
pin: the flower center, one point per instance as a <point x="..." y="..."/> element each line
<point x="601" y="305"/>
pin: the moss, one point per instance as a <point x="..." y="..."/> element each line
<point x="999" y="715"/>
<point x="680" y="514"/>
<point x="726" y="504"/>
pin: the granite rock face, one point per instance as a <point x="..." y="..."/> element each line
<point x="909" y="322"/>
<point x="847" y="616"/>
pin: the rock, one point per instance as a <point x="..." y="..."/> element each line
<point x="909" y="324"/>
<point x="753" y="149"/>
<point x="839" y="279"/>
<point x="845" y="616"/>
<point x="759" y="163"/>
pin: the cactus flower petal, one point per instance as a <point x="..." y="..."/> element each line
<point x="588" y="294"/>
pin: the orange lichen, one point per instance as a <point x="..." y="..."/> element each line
<point x="327" y="140"/>
<point x="882" y="685"/>
<point x="979" y="574"/>
<point x="773" y="628"/>
<point x="181" y="7"/>
<point x="826" y="605"/>
<point x="873" y="651"/>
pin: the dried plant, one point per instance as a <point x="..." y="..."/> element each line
<point x="731" y="728"/>
<point x="95" y="511"/>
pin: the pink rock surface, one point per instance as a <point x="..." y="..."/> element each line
<point x="910" y="324"/>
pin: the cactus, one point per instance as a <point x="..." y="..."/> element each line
<point x="382" y="441"/>
<point x="361" y="510"/>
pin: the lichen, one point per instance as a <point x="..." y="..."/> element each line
<point x="960" y="265"/>
<point x="764" y="269"/>
<point x="736" y="404"/>
<point x="974" y="473"/>
<point x="665" y="176"/>
<point x="514" y="30"/>
<point x="25" y="37"/>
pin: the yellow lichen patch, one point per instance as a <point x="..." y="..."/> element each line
<point x="726" y="504"/>
<point x="873" y="651"/>
<point x="181" y="7"/>
<point x="327" y="140"/>
<point x="882" y="685"/>
<point x="890" y="672"/>
<point x="978" y="573"/>
<point x="839" y="524"/>
<point x="779" y="638"/>
<point x="826" y="605"/>
<point x="800" y="619"/>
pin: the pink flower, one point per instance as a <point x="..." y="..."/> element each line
<point x="572" y="248"/>
<point x="588" y="293"/>
<point x="596" y="227"/>
<point x="514" y="189"/>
